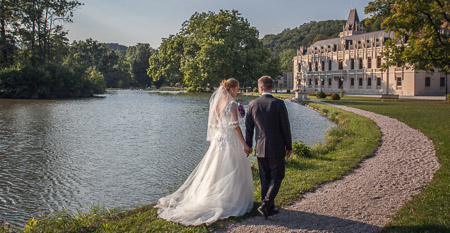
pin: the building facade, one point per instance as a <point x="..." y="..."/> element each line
<point x="352" y="63"/>
<point x="286" y="82"/>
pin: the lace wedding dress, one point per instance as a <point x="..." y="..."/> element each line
<point x="221" y="185"/>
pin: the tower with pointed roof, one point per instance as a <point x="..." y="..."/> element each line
<point x="352" y="26"/>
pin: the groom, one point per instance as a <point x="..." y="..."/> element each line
<point x="268" y="115"/>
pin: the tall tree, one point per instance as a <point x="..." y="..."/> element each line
<point x="138" y="57"/>
<point x="42" y="22"/>
<point x="421" y="32"/>
<point x="8" y="25"/>
<point x="216" y="47"/>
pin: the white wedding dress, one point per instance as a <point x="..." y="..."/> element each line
<point x="221" y="185"/>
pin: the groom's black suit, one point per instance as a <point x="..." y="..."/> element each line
<point x="268" y="116"/>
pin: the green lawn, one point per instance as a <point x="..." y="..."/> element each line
<point x="355" y="138"/>
<point x="430" y="210"/>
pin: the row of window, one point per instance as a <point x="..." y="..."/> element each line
<point x="428" y="81"/>
<point x="341" y="64"/>
<point x="369" y="82"/>
<point x="352" y="82"/>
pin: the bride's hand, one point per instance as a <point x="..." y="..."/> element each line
<point x="247" y="150"/>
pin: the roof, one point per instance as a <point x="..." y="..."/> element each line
<point x="352" y="18"/>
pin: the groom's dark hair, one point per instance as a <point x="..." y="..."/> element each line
<point x="266" y="82"/>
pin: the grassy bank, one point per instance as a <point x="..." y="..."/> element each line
<point x="430" y="210"/>
<point x="354" y="139"/>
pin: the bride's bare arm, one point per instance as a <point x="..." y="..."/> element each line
<point x="237" y="128"/>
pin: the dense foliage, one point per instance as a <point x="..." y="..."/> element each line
<point x="211" y="47"/>
<point x="421" y="29"/>
<point x="36" y="60"/>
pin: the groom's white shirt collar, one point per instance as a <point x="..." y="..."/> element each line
<point x="266" y="93"/>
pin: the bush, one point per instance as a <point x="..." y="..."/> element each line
<point x="335" y="97"/>
<point x="255" y="90"/>
<point x="96" y="80"/>
<point x="448" y="96"/>
<point x="321" y="95"/>
<point x="300" y="149"/>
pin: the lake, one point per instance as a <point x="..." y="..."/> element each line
<point x="128" y="148"/>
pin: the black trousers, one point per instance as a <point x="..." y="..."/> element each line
<point x="271" y="173"/>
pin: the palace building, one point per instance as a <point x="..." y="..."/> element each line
<point x="352" y="63"/>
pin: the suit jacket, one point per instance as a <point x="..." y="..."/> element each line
<point x="268" y="116"/>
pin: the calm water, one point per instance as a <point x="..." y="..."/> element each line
<point x="127" y="148"/>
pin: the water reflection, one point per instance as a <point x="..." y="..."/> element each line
<point x="127" y="148"/>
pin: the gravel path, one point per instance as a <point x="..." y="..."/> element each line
<point x="362" y="201"/>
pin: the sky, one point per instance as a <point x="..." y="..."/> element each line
<point x="129" y="22"/>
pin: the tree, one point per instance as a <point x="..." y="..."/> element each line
<point x="286" y="58"/>
<point x="41" y="21"/>
<point x="211" y="47"/>
<point x="8" y="24"/>
<point x="166" y="62"/>
<point x="138" y="57"/>
<point x="421" y="32"/>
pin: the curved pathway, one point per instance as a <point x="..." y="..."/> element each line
<point x="362" y="201"/>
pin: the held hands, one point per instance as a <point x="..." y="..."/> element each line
<point x="247" y="150"/>
<point x="288" y="153"/>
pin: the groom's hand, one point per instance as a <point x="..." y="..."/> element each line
<point x="288" y="153"/>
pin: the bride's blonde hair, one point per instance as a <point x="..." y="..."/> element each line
<point x="229" y="83"/>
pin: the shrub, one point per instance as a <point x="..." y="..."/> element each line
<point x="96" y="80"/>
<point x="300" y="149"/>
<point x="255" y="90"/>
<point x="448" y="96"/>
<point x="321" y="95"/>
<point x="335" y="97"/>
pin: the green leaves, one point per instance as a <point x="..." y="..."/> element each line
<point x="211" y="47"/>
<point x="420" y="28"/>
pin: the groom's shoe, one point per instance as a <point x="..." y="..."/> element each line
<point x="263" y="211"/>
<point x="274" y="211"/>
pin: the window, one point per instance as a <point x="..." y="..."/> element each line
<point x="369" y="82"/>
<point x="316" y="82"/>
<point x="369" y="62"/>
<point x="341" y="64"/>
<point x="310" y="66"/>
<point x="310" y="82"/>
<point x="360" y="63"/>
<point x="322" y="82"/>
<point x="399" y="81"/>
<point x="329" y="82"/>
<point x="442" y="82"/>
<point x="378" y="82"/>
<point x="427" y="81"/>
<point x="299" y="68"/>
<point x="352" y="63"/>
<point x="352" y="82"/>
<point x="329" y="64"/>
<point x="360" y="81"/>
<point x="378" y="62"/>
<point x="323" y="65"/>
<point x="316" y="68"/>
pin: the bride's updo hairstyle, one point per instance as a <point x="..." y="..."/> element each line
<point x="229" y="83"/>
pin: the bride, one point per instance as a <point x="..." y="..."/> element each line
<point x="221" y="185"/>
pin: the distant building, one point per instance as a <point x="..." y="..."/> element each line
<point x="352" y="62"/>
<point x="287" y="81"/>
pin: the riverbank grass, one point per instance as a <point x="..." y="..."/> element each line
<point x="428" y="211"/>
<point x="354" y="139"/>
